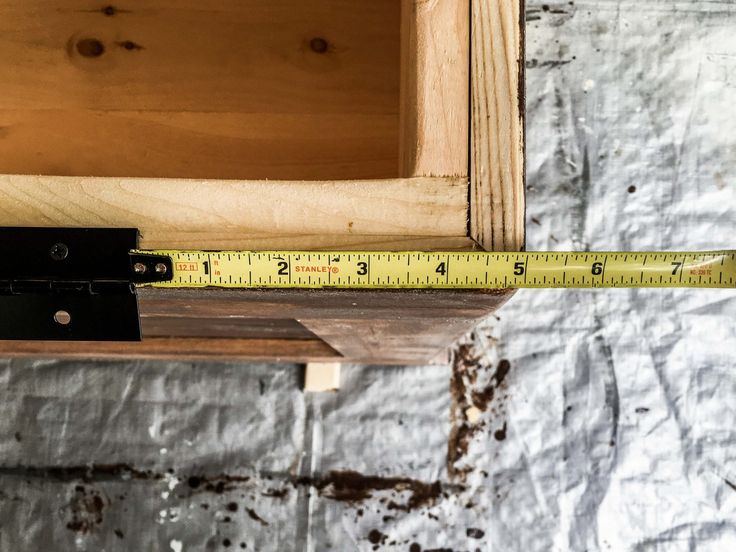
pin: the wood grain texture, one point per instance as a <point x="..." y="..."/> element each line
<point x="198" y="145"/>
<point x="433" y="138"/>
<point x="386" y="326"/>
<point x="168" y="348"/>
<point x="232" y="327"/>
<point x="497" y="138"/>
<point x="201" y="214"/>
<point x="241" y="89"/>
<point x="331" y="242"/>
<point x="361" y="326"/>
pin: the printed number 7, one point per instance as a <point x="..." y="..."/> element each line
<point x="677" y="266"/>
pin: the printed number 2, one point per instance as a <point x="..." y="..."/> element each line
<point x="283" y="268"/>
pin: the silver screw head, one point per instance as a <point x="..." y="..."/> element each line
<point x="139" y="268"/>
<point x="161" y="268"/>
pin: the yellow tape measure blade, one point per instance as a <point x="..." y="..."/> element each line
<point x="449" y="270"/>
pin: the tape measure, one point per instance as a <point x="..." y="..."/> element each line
<point x="446" y="270"/>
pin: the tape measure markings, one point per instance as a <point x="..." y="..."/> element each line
<point x="446" y="270"/>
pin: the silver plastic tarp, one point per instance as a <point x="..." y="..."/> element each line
<point x="574" y="420"/>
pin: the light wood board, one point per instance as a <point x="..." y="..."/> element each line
<point x="322" y="376"/>
<point x="497" y="121"/>
<point x="434" y="87"/>
<point x="198" y="214"/>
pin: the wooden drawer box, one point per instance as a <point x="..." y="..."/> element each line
<point x="280" y="124"/>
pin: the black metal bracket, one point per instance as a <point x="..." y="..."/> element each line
<point x="74" y="284"/>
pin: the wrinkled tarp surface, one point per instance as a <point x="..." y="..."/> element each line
<point x="574" y="420"/>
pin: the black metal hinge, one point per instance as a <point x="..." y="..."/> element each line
<point x="73" y="284"/>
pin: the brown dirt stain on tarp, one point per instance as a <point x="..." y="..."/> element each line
<point x="351" y="486"/>
<point x="472" y="387"/>
<point x="86" y="510"/>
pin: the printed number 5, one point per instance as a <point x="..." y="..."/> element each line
<point x="519" y="268"/>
